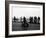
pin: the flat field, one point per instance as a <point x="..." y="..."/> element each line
<point x="18" y="27"/>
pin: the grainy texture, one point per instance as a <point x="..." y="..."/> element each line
<point x="18" y="27"/>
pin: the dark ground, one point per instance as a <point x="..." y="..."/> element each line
<point x="18" y="27"/>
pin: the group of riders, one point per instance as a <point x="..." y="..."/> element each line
<point x="25" y="24"/>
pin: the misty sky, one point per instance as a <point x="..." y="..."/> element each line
<point x="26" y="11"/>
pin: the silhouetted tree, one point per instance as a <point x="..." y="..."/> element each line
<point x="31" y="20"/>
<point x="14" y="19"/>
<point x="35" y="19"/>
<point x="38" y="20"/>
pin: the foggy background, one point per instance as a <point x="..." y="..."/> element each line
<point x="23" y="10"/>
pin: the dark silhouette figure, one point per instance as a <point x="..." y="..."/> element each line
<point x="24" y="20"/>
<point x="31" y="20"/>
<point x="38" y="20"/>
<point x="35" y="19"/>
<point x="24" y="24"/>
<point x="14" y="19"/>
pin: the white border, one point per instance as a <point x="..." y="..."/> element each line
<point x="25" y="32"/>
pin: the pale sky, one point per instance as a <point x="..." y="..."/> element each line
<point x="19" y="10"/>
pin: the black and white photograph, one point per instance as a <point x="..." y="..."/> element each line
<point x="25" y="18"/>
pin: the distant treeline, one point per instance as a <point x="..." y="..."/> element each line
<point x="27" y="20"/>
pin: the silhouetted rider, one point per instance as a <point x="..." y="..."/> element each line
<point x="24" y="20"/>
<point x="25" y="24"/>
